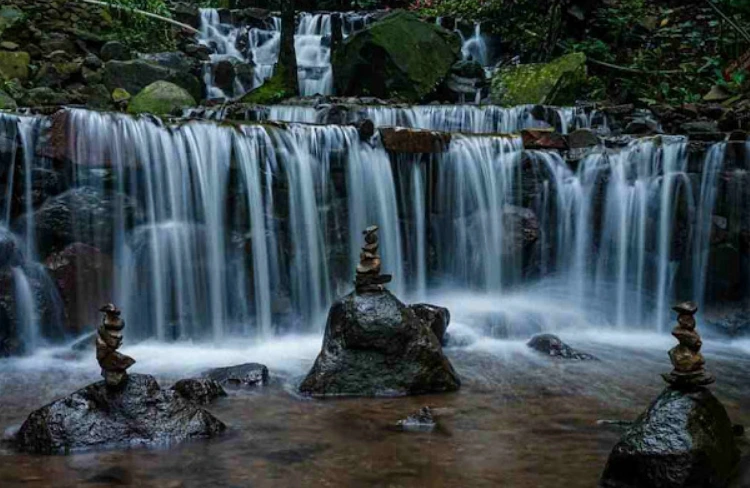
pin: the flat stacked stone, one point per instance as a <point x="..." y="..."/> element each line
<point x="687" y="360"/>
<point x="109" y="338"/>
<point x="368" y="277"/>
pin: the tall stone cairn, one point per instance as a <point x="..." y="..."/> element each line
<point x="368" y="278"/>
<point x="687" y="360"/>
<point x="109" y="338"/>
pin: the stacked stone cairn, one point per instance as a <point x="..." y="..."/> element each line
<point x="687" y="360"/>
<point x="368" y="277"/>
<point x="109" y="338"/>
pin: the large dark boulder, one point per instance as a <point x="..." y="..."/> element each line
<point x="398" y="56"/>
<point x="140" y="414"/>
<point x="683" y="440"/>
<point x="374" y="345"/>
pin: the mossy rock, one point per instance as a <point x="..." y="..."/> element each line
<point x="161" y="97"/>
<point x="7" y="102"/>
<point x="14" y="64"/>
<point x="558" y="82"/>
<point x="398" y="57"/>
<point x="274" y="90"/>
<point x="137" y="74"/>
<point x="120" y="95"/>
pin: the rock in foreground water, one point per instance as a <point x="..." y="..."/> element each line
<point x="684" y="439"/>
<point x="199" y="390"/>
<point x="553" y="346"/>
<point x="140" y="414"/>
<point x="375" y="345"/>
<point x="241" y="376"/>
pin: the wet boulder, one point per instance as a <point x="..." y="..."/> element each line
<point x="139" y="414"/>
<point x="398" y="56"/>
<point x="684" y="439"/>
<point x="420" y="421"/>
<point x="402" y="140"/>
<point x="555" y="83"/>
<point x="115" y="50"/>
<point x="551" y="345"/>
<point x="438" y="318"/>
<point x="374" y="345"/>
<point x="243" y="376"/>
<point x="199" y="390"/>
<point x="161" y="97"/>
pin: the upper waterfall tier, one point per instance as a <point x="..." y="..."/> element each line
<point x="473" y="119"/>
<point x="206" y="230"/>
<point x="258" y="45"/>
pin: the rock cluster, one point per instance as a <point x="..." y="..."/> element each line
<point x="109" y="338"/>
<point x="689" y="365"/>
<point x="368" y="271"/>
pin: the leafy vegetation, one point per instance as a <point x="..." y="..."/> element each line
<point x="139" y="31"/>
<point x="642" y="50"/>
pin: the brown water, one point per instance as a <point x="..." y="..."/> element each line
<point x="520" y="420"/>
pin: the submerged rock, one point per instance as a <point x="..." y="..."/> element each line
<point x="242" y="376"/>
<point x="199" y="390"/>
<point x="139" y="414"/>
<point x="551" y="345"/>
<point x="421" y="421"/>
<point x="375" y="345"/>
<point x="684" y="439"/>
<point x="398" y="56"/>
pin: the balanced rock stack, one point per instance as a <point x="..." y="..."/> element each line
<point x="375" y="345"/>
<point x="685" y="437"/>
<point x="368" y="277"/>
<point x="687" y="360"/>
<point x="109" y="338"/>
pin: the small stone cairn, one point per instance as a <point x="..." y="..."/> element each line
<point x="369" y="279"/>
<point x="109" y="338"/>
<point x="687" y="360"/>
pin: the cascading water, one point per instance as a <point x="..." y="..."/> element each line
<point x="216" y="231"/>
<point x="259" y="45"/>
<point x="486" y="119"/>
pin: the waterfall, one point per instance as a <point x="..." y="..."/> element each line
<point x="312" y="46"/>
<point x="217" y="231"/>
<point x="475" y="178"/>
<point x="712" y="165"/>
<point x="259" y="46"/>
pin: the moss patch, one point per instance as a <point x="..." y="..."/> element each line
<point x="161" y="97"/>
<point x="6" y="101"/>
<point x="555" y="83"/>
<point x="14" y="64"/>
<point x="272" y="91"/>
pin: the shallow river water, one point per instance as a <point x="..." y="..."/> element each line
<point x="520" y="419"/>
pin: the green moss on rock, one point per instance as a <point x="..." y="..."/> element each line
<point x="6" y="101"/>
<point x="272" y="91"/>
<point x="558" y="82"/>
<point x="14" y="64"/>
<point x="398" y="57"/>
<point x="161" y="97"/>
<point x="120" y="95"/>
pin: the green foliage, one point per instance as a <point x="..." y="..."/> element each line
<point x="139" y="31"/>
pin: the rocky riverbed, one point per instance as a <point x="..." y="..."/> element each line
<point x="541" y="416"/>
